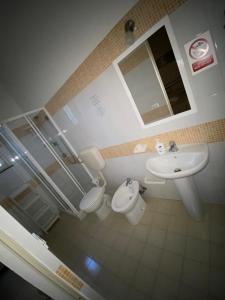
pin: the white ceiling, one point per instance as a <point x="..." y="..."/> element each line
<point x="43" y="42"/>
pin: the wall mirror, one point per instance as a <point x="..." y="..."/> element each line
<point x="154" y="77"/>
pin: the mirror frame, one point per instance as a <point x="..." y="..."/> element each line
<point x="163" y="22"/>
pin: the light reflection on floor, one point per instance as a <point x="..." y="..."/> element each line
<point x="92" y="266"/>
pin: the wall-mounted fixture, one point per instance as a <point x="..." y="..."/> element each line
<point x="129" y="32"/>
<point x="153" y="75"/>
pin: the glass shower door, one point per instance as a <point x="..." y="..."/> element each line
<point x="52" y="135"/>
<point x="38" y="150"/>
<point x="23" y="193"/>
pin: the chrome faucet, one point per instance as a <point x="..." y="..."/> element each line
<point x="128" y="181"/>
<point x="173" y="146"/>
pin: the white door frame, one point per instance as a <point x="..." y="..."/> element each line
<point x="31" y="260"/>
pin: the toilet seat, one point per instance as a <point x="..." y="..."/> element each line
<point x="92" y="199"/>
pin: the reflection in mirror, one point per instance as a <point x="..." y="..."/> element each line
<point x="153" y="78"/>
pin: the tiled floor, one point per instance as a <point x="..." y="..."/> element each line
<point x="166" y="256"/>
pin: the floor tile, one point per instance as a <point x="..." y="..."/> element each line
<point x="120" y="242"/>
<point x="157" y="237"/>
<point x="175" y="242"/>
<point x="195" y="274"/>
<point x="178" y="209"/>
<point x="217" y="258"/>
<point x="147" y="260"/>
<point x="127" y="269"/>
<point x="164" y="206"/>
<point x="199" y="230"/>
<point x="197" y="250"/>
<point x="217" y="234"/>
<point x="151" y="257"/>
<point x="171" y="265"/>
<point x="144" y="280"/>
<point x="140" y="232"/>
<point x="165" y="288"/>
<point x="133" y="294"/>
<point x="153" y="205"/>
<point x="160" y="221"/>
<point x="101" y="233"/>
<point x="102" y="253"/>
<point x="112" y="262"/>
<point x="147" y="218"/>
<point x="217" y="283"/>
<point x="104" y="281"/>
<point x="135" y="249"/>
<point x="218" y="214"/>
<point x="178" y="225"/>
<point x="110" y="237"/>
<point x="92" y="248"/>
<point x="187" y="292"/>
<point x="126" y="228"/>
<point x="119" y="289"/>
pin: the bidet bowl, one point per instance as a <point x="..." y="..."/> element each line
<point x="125" y="197"/>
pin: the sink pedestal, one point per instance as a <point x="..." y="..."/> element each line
<point x="189" y="195"/>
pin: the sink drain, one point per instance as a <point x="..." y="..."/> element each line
<point x="177" y="170"/>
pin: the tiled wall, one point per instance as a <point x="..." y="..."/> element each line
<point x="68" y="276"/>
<point x="113" y="126"/>
<point x="210" y="132"/>
<point x="145" y="13"/>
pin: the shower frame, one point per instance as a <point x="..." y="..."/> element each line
<point x="36" y="168"/>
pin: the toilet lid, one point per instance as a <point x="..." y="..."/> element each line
<point x="94" y="195"/>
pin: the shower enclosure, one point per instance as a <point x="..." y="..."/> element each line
<point x="34" y="143"/>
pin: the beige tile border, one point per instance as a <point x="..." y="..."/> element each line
<point x="68" y="276"/>
<point x="71" y="288"/>
<point x="145" y="13"/>
<point x="210" y="132"/>
<point x="156" y="114"/>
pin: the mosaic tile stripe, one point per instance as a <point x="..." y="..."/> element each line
<point x="145" y="13"/>
<point x="68" y="276"/>
<point x="210" y="132"/>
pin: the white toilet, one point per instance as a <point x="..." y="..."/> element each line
<point x="128" y="201"/>
<point x="95" y="200"/>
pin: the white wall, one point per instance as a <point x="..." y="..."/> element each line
<point x="103" y="115"/>
<point x="8" y="106"/>
<point x="45" y="41"/>
<point x="113" y="121"/>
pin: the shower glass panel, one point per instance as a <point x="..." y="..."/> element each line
<point x="59" y="145"/>
<point x="51" y="167"/>
<point x="23" y="193"/>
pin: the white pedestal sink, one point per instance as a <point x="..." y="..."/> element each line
<point x="180" y="166"/>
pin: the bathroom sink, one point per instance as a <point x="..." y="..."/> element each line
<point x="187" y="161"/>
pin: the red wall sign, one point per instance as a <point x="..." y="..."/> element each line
<point x="201" y="53"/>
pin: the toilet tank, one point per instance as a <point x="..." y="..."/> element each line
<point x="92" y="158"/>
